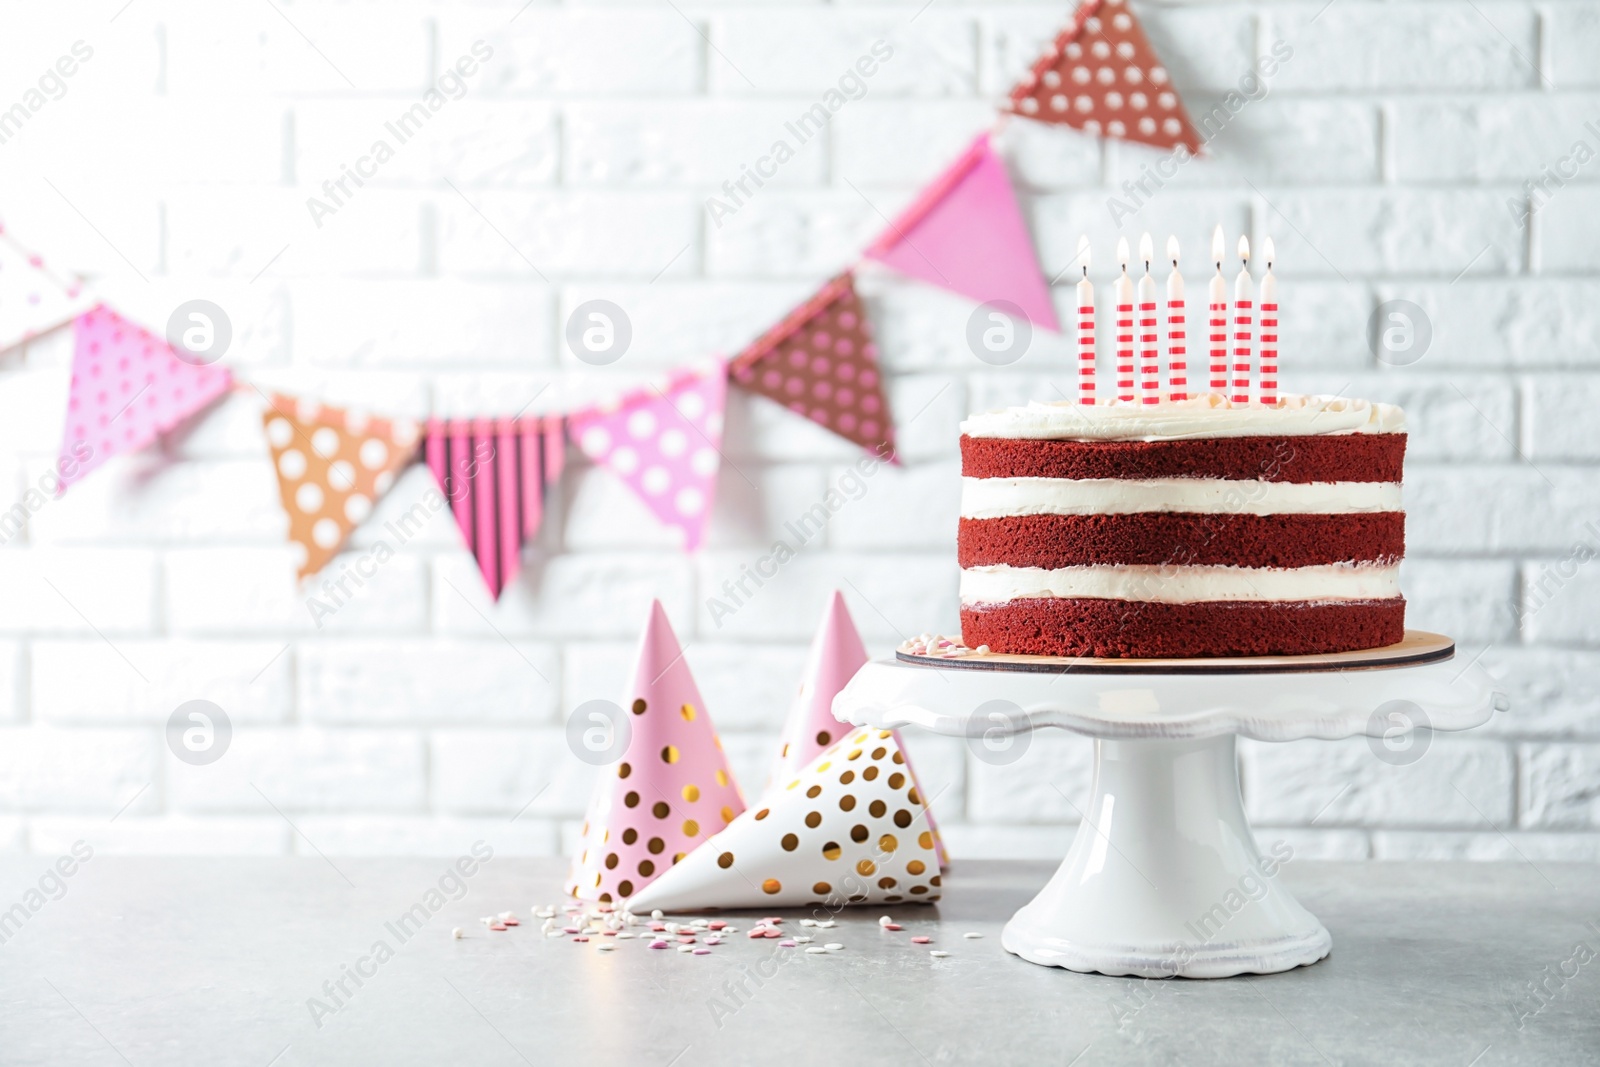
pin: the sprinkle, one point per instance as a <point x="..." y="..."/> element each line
<point x="701" y="924"/>
<point x="554" y="933"/>
<point x="816" y="950"/>
<point x="659" y="943"/>
<point x="510" y="920"/>
<point x="702" y="952"/>
<point x="972" y="935"/>
<point x="658" y="927"/>
<point x="802" y="940"/>
<point x="713" y="940"/>
<point x="757" y="932"/>
<point x="773" y="933"/>
<point x="893" y="926"/>
<point x="571" y="930"/>
<point x="685" y="948"/>
<point x="486" y="919"/>
<point x="808" y="922"/>
<point x="580" y="937"/>
<point x="497" y="926"/>
<point x="608" y="933"/>
<point x="938" y="954"/>
<point x="657" y="914"/>
<point x="456" y="933"/>
<point x="504" y="915"/>
<point x="921" y="940"/>
<point x="685" y="940"/>
<point x="833" y="946"/>
<point x="605" y="946"/>
<point x="828" y="924"/>
<point x="884" y="920"/>
<point x="774" y="921"/>
<point x="786" y="943"/>
<point x="716" y="924"/>
<point x="624" y="935"/>
<point x="671" y="928"/>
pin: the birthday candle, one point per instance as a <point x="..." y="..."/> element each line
<point x="1269" y="328"/>
<point x="1149" y="354"/>
<point x="1219" y="320"/>
<point x="1177" y="335"/>
<point x="1124" y="298"/>
<point x="1244" y="294"/>
<point x="1085" y="329"/>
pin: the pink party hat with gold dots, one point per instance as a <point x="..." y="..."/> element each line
<point x="668" y="791"/>
<point x="836" y="655"/>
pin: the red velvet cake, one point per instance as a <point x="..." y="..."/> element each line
<point x="1186" y="528"/>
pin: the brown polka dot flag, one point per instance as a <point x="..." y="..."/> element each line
<point x="332" y="466"/>
<point x="1102" y="76"/>
<point x="821" y="362"/>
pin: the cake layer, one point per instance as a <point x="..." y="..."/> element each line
<point x="994" y="498"/>
<point x="1208" y="415"/>
<point x="1181" y="584"/>
<point x="1338" y="458"/>
<point x="1052" y="541"/>
<point x="1117" y="628"/>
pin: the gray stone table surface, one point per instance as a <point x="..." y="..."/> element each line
<point x="217" y="961"/>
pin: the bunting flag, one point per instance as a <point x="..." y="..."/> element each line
<point x="33" y="298"/>
<point x="665" y="443"/>
<point x="966" y="234"/>
<point x="494" y="473"/>
<point x="128" y="388"/>
<point x="1102" y="76"/>
<point x="820" y="362"/>
<point x="332" y="465"/>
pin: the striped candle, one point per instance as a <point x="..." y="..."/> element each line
<point x="1177" y="335"/>
<point x="1243" y="325"/>
<point x="1219" y="320"/>
<point x="1149" y="353"/>
<point x="1269" y="328"/>
<point x="1085" y="329"/>
<point x="1124" y="297"/>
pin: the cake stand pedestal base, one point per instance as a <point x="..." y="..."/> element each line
<point x="1164" y="877"/>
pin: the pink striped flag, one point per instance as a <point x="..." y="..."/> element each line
<point x="494" y="473"/>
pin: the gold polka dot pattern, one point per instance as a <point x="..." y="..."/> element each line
<point x="865" y="840"/>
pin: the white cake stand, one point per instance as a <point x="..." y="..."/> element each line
<point x="1164" y="877"/>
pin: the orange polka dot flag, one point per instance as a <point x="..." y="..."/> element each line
<point x="332" y="466"/>
<point x="820" y="362"/>
<point x="128" y="388"/>
<point x="1101" y="75"/>
<point x="851" y="828"/>
<point x="836" y="655"/>
<point x="670" y="789"/>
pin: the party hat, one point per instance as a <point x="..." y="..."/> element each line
<point x="670" y="790"/>
<point x="836" y="655"/>
<point x="851" y="828"/>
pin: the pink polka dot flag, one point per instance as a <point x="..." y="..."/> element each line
<point x="665" y="443"/>
<point x="966" y="233"/>
<point x="669" y="790"/>
<point x="821" y="362"/>
<point x="128" y="388"/>
<point x="33" y="298"/>
<point x="1102" y="76"/>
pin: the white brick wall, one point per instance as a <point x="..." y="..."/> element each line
<point x="574" y="166"/>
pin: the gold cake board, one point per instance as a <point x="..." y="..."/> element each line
<point x="1418" y="646"/>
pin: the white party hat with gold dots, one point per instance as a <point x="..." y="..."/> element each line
<point x="851" y="828"/>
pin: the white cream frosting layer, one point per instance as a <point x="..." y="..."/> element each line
<point x="995" y="498"/>
<point x="1181" y="585"/>
<point x="1207" y="415"/>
